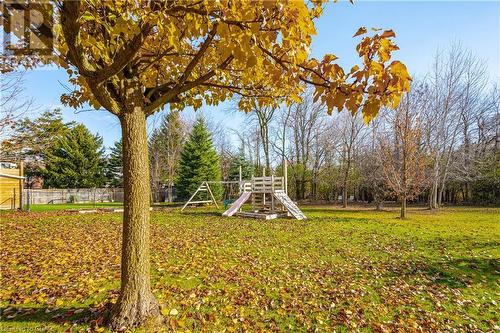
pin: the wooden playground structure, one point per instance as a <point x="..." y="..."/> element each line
<point x="268" y="195"/>
<point x="269" y="200"/>
<point x="204" y="187"/>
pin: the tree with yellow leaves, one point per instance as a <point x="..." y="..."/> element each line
<point x="134" y="57"/>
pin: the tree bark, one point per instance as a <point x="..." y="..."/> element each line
<point x="433" y="191"/>
<point x="441" y="195"/>
<point x="344" y="185"/>
<point x="403" y="207"/>
<point x="344" y="195"/>
<point x="136" y="305"/>
<point x="170" y="191"/>
<point x="297" y="187"/>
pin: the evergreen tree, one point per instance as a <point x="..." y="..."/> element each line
<point x="114" y="165"/>
<point x="246" y="167"/>
<point x="75" y="160"/>
<point x="32" y="139"/>
<point x="199" y="162"/>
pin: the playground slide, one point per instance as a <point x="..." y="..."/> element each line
<point x="290" y="205"/>
<point x="237" y="204"/>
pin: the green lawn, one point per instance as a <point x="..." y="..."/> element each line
<point x="342" y="270"/>
<point x="75" y="206"/>
<point x="67" y="206"/>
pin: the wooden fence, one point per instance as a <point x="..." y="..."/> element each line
<point x="81" y="195"/>
<point x="72" y="195"/>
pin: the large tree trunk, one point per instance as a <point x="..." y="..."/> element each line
<point x="136" y="305"/>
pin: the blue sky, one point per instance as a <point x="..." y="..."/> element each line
<point x="422" y="27"/>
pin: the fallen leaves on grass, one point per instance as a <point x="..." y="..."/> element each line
<point x="211" y="273"/>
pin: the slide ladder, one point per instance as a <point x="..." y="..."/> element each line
<point x="289" y="205"/>
<point x="237" y="204"/>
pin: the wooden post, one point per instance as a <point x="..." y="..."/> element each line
<point x="272" y="193"/>
<point x="21" y="184"/>
<point x="285" y="174"/>
<point x="28" y="197"/>
<point x="263" y="187"/>
<point x="240" y="184"/>
<point x="253" y="194"/>
<point x="211" y="195"/>
<point x="13" y="205"/>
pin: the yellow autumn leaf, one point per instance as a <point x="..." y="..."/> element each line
<point x="370" y="110"/>
<point x="252" y="61"/>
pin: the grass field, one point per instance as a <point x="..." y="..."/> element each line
<point x="68" y="206"/>
<point x="342" y="270"/>
<point x="38" y="208"/>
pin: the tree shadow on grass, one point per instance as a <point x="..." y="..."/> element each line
<point x="463" y="272"/>
<point x="17" y="314"/>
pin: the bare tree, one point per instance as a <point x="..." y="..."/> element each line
<point x="13" y="103"/>
<point x="166" y="144"/>
<point x="370" y="165"/>
<point x="400" y="151"/>
<point x="475" y="106"/>
<point x="442" y="117"/>
<point x="324" y="144"/>
<point x="264" y="116"/>
<point x="352" y="133"/>
<point x="305" y="122"/>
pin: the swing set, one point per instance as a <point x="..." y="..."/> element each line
<point x="229" y="193"/>
<point x="268" y="195"/>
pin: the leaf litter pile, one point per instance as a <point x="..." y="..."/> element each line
<point x="337" y="271"/>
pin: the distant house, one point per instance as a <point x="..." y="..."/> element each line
<point x="11" y="185"/>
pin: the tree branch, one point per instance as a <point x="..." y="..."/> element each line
<point x="198" y="55"/>
<point x="70" y="11"/>
<point x="71" y="29"/>
<point x="175" y="91"/>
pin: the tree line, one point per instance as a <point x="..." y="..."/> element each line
<point x="440" y="145"/>
<point x="63" y="154"/>
<point x="68" y="155"/>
